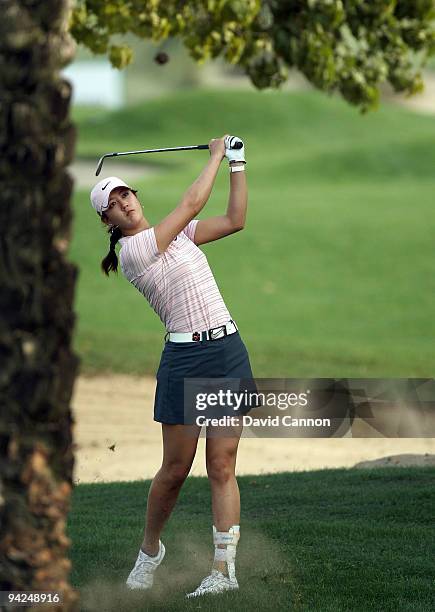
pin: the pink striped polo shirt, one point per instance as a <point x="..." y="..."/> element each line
<point x="178" y="283"/>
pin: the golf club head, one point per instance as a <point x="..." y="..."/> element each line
<point x="100" y="165"/>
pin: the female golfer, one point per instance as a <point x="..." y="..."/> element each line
<point x="202" y="341"/>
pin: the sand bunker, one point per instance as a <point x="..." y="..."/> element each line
<point x="117" y="439"/>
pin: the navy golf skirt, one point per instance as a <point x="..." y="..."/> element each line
<point x="225" y="357"/>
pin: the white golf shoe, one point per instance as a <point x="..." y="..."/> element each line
<point x="142" y="575"/>
<point x="215" y="583"/>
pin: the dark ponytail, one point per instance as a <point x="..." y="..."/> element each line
<point x="110" y="262"/>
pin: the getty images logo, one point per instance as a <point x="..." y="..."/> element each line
<point x="233" y="400"/>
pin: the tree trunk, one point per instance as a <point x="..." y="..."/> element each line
<point x="37" y="365"/>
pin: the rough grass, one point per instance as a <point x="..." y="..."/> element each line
<point x="334" y="540"/>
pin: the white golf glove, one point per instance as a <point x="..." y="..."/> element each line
<point x="234" y="155"/>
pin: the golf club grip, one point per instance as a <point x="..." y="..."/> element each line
<point x="237" y="145"/>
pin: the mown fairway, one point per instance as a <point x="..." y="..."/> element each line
<point x="334" y="274"/>
<point x="336" y="540"/>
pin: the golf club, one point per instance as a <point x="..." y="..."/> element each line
<point x="237" y="145"/>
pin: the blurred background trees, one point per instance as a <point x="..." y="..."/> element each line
<point x="350" y="47"/>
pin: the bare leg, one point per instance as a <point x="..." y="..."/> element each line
<point x="221" y="454"/>
<point x="179" y="448"/>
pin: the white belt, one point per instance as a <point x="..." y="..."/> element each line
<point x="210" y="334"/>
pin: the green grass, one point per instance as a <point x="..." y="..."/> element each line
<point x="333" y="275"/>
<point x="333" y="540"/>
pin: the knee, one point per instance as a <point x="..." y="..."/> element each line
<point x="220" y="469"/>
<point x="174" y="474"/>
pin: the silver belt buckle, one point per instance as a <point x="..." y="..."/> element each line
<point x="212" y="335"/>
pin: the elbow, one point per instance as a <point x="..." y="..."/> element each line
<point x="192" y="204"/>
<point x="237" y="227"/>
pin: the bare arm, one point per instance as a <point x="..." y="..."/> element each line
<point x="233" y="221"/>
<point x="193" y="200"/>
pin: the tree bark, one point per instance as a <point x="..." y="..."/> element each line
<point x="37" y="365"/>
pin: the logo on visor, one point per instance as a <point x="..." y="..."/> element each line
<point x="103" y="188"/>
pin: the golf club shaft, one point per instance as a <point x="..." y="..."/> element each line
<point x="100" y="163"/>
<point x="159" y="150"/>
<point x="189" y="148"/>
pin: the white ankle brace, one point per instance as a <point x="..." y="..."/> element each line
<point x="228" y="554"/>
